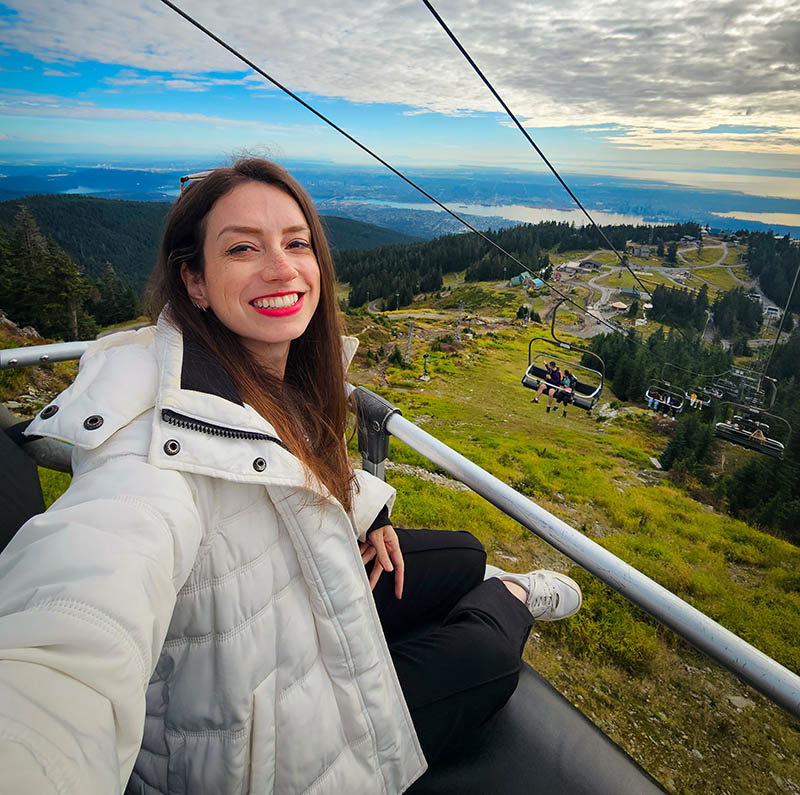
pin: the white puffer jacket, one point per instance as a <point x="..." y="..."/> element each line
<point x="191" y="589"/>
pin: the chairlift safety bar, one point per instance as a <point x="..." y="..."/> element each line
<point x="33" y="355"/>
<point x="751" y="665"/>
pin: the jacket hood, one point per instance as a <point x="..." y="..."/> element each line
<point x="122" y="375"/>
<point x="199" y="422"/>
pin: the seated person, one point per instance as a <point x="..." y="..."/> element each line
<point x="566" y="393"/>
<point x="552" y="381"/>
<point x="214" y="604"/>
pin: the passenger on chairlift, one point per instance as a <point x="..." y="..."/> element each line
<point x="551" y="382"/>
<point x="214" y="604"/>
<point x="566" y="392"/>
<point x="653" y="399"/>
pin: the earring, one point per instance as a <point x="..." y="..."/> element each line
<point x="198" y="305"/>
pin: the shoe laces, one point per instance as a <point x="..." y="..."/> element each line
<point x="546" y="598"/>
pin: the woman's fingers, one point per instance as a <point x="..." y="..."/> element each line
<point x="367" y="553"/>
<point x="376" y="538"/>
<point x="384" y="546"/>
<point x="375" y="574"/>
<point x="396" y="554"/>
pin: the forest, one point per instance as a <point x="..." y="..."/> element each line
<point x="94" y="232"/>
<point x="736" y="317"/>
<point x="764" y="492"/>
<point x="680" y="307"/>
<point x="396" y="273"/>
<point x="42" y="286"/>
<point x="775" y="261"/>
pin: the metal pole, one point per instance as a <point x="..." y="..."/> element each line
<point x="748" y="663"/>
<point x="41" y="354"/>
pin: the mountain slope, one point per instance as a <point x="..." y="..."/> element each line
<point x="95" y="231"/>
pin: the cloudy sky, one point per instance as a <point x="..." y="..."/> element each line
<point x="703" y="93"/>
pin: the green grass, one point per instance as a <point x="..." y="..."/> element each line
<point x="626" y="279"/>
<point x="721" y="278"/>
<point x="705" y="256"/>
<point x="475" y="404"/>
<point x="54" y="484"/>
<point x="741" y="273"/>
<point x="734" y="256"/>
<point x="147" y="319"/>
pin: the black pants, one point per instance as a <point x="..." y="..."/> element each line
<point x="456" y="641"/>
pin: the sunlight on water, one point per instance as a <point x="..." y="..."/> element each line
<point x="784" y="219"/>
<point x="519" y="213"/>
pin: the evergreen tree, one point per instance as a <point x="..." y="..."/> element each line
<point x="26" y="279"/>
<point x="42" y="286"/>
<point x="672" y="252"/>
<point x="112" y="301"/>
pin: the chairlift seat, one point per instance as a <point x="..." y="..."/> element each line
<point x="767" y="446"/>
<point x="584" y="395"/>
<point x="663" y="391"/>
<point x="538" y="744"/>
<point x="20" y="492"/>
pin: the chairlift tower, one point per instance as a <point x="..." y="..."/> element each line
<point x="425" y="376"/>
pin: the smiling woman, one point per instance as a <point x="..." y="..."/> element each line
<point x="241" y="617"/>
<point x="260" y="276"/>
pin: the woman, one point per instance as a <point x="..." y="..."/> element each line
<point x="194" y="614"/>
<point x="567" y="391"/>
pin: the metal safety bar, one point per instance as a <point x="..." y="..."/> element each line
<point x="41" y="354"/>
<point x="751" y="665"/>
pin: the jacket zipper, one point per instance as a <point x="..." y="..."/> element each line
<point x="190" y="423"/>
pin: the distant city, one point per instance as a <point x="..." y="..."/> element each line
<point x="487" y="198"/>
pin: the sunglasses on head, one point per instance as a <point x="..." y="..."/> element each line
<point x="193" y="177"/>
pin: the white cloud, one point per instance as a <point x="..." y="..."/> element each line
<point x="59" y="73"/>
<point x="639" y="64"/>
<point x="177" y="82"/>
<point x="16" y="103"/>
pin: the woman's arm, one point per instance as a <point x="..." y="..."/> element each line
<point x="87" y="591"/>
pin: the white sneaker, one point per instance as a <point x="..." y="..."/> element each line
<point x="551" y="595"/>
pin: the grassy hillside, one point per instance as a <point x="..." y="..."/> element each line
<point x="695" y="727"/>
<point x="94" y="231"/>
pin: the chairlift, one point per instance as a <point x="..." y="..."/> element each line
<point x="664" y="397"/>
<point x="701" y="385"/>
<point x="754" y="428"/>
<point x="699" y="398"/>
<point x="589" y="386"/>
<point x="747" y="386"/>
<point x="726" y="386"/>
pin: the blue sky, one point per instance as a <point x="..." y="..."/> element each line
<point x="702" y="96"/>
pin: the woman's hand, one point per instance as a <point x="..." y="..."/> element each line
<point x="383" y="545"/>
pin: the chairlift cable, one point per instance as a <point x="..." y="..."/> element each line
<point x="372" y="154"/>
<point x="530" y="140"/>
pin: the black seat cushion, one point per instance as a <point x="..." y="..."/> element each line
<point x="20" y="492"/>
<point x="538" y="744"/>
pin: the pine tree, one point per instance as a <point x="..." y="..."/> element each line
<point x="26" y="278"/>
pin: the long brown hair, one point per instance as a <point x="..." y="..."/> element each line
<point x="308" y="408"/>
